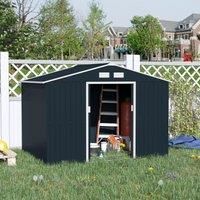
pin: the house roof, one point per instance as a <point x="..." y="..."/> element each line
<point x="173" y="26"/>
<point x="123" y="30"/>
<point x="114" y="30"/>
<point x="78" y="69"/>
<point x="193" y="18"/>
<point x="169" y="26"/>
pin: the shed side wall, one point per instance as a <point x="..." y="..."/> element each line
<point x="34" y="120"/>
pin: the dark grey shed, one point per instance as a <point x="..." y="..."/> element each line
<point x="60" y="111"/>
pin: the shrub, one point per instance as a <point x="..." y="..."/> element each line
<point x="184" y="105"/>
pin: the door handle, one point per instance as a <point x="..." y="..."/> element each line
<point x="88" y="109"/>
<point x="132" y="108"/>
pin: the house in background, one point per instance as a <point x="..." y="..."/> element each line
<point x="117" y="44"/>
<point x="181" y="36"/>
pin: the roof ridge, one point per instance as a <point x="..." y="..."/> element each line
<point x="191" y="16"/>
<point x="168" y="20"/>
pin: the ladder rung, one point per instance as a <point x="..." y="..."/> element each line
<point x="104" y="135"/>
<point x="108" y="101"/>
<point x="109" y="90"/>
<point x="109" y="113"/>
<point x="109" y="124"/>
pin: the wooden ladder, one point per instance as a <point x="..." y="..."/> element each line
<point x="114" y="114"/>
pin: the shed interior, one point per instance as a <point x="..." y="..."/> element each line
<point x="110" y="116"/>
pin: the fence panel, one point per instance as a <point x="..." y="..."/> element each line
<point x="19" y="71"/>
<point x="15" y="138"/>
<point x="23" y="69"/>
<point x="187" y="72"/>
<point x="4" y="96"/>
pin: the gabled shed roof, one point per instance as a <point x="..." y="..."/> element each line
<point x="79" y="69"/>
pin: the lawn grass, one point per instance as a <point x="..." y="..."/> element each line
<point x="116" y="176"/>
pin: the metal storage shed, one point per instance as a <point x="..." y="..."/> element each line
<point x="59" y="116"/>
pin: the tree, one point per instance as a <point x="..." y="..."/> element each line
<point x="19" y="42"/>
<point x="146" y="36"/>
<point x="26" y="11"/>
<point x="25" y="44"/>
<point x="95" y="31"/>
<point x="59" y="35"/>
<point x="8" y="20"/>
<point x="26" y="29"/>
<point x="168" y="49"/>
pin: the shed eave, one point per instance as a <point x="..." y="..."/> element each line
<point x="33" y="82"/>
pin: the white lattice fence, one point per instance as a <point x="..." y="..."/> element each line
<point x="20" y="70"/>
<point x="187" y="72"/>
<point x="24" y="69"/>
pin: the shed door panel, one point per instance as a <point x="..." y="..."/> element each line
<point x="66" y="124"/>
<point x="94" y="102"/>
<point x="152" y="118"/>
<point x="132" y="124"/>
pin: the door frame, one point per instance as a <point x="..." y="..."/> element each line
<point x="133" y="104"/>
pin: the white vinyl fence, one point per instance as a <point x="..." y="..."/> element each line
<point x="14" y="71"/>
<point x="15" y="125"/>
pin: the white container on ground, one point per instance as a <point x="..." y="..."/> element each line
<point x="104" y="146"/>
<point x="94" y="148"/>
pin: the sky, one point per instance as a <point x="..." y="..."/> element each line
<point x="120" y="12"/>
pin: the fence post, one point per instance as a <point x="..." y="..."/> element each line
<point x="4" y="97"/>
<point x="133" y="62"/>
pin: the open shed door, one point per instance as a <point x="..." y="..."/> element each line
<point x="127" y="115"/>
<point x="133" y="114"/>
<point x="127" y="89"/>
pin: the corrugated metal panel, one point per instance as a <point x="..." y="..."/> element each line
<point x="34" y="120"/>
<point x="66" y="118"/>
<point x="152" y="118"/>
